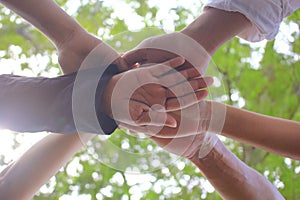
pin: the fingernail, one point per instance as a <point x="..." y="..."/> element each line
<point x="182" y="59"/>
<point x="171" y="123"/>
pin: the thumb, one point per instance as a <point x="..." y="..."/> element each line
<point x="135" y="56"/>
<point x="121" y="63"/>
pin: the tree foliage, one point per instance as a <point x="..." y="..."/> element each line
<point x="267" y="82"/>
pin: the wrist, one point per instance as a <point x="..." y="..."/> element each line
<point x="204" y="32"/>
<point x="74" y="49"/>
<point x="200" y="145"/>
<point x="217" y="116"/>
<point x="208" y="44"/>
<point x="212" y="116"/>
<point x="214" y="27"/>
<point x="79" y="40"/>
<point x="211" y="158"/>
<point x="208" y="144"/>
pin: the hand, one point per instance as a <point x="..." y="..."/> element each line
<point x="209" y="115"/>
<point x="188" y="122"/>
<point x="139" y="96"/>
<point x="194" y="147"/>
<point x="205" y="116"/>
<point x="191" y="147"/>
<point x="161" y="48"/>
<point x="78" y="48"/>
<point x="190" y="139"/>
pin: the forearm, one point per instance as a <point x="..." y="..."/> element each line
<point x="276" y="135"/>
<point x="214" y="27"/>
<point x="232" y="178"/>
<point x="38" y="164"/>
<point x="71" y="40"/>
<point x="47" y="16"/>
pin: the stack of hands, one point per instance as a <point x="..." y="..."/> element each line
<point x="161" y="94"/>
<point x="157" y="89"/>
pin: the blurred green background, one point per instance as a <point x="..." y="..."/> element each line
<point x="262" y="77"/>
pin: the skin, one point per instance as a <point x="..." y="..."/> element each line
<point x="242" y="181"/>
<point x="218" y="26"/>
<point x="73" y="44"/>
<point x="59" y="27"/>
<point x="232" y="178"/>
<point x="276" y="135"/>
<point x="67" y="145"/>
<point x="72" y="41"/>
<point x="215" y="24"/>
<point x="218" y="22"/>
<point x="273" y="134"/>
<point x="38" y="165"/>
<point x="144" y="87"/>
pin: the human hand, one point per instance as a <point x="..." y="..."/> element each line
<point x="82" y="48"/>
<point x="205" y="116"/>
<point x="191" y="147"/>
<point x="195" y="146"/>
<point x="198" y="118"/>
<point x="164" y="47"/>
<point x="191" y="139"/>
<point x="139" y="96"/>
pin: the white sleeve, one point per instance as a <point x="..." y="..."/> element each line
<point x="265" y="15"/>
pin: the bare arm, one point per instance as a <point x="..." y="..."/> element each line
<point x="47" y="16"/>
<point x="71" y="40"/>
<point x="214" y="27"/>
<point x="232" y="178"/>
<point x="276" y="135"/>
<point x="46" y="157"/>
<point x="273" y="134"/>
<point x="210" y="30"/>
<point x="38" y="165"/>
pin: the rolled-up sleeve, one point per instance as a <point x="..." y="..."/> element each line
<point x="265" y="16"/>
<point x="45" y="104"/>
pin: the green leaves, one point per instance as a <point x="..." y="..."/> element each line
<point x="272" y="87"/>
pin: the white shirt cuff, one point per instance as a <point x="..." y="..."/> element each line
<point x="265" y="16"/>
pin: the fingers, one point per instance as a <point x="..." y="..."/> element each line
<point x="147" y="55"/>
<point x="129" y="131"/>
<point x="161" y="141"/>
<point x="140" y="114"/>
<point x="189" y="73"/>
<point x="155" y="118"/>
<point x="165" y="67"/>
<point x="137" y="129"/>
<point x="151" y="131"/>
<point x="188" y="87"/>
<point x="132" y="57"/>
<point x="121" y="63"/>
<point x="177" y="77"/>
<point x="174" y="104"/>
